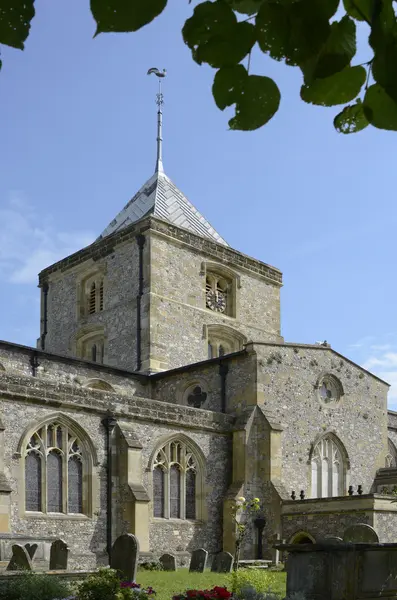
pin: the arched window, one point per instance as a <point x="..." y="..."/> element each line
<point x="391" y="456"/>
<point x="176" y="482"/>
<point x="90" y="345"/>
<point x="223" y="340"/>
<point x="221" y="284"/>
<point x="90" y="294"/>
<point x="54" y="470"/>
<point x="328" y="468"/>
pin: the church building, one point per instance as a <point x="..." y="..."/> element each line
<point x="161" y="390"/>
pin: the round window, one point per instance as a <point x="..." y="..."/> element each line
<point x="329" y="391"/>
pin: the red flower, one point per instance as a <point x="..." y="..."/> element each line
<point x="222" y="592"/>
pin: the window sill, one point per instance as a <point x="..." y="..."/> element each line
<point x="40" y="515"/>
<point x="177" y="521"/>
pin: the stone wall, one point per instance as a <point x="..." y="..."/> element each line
<point x="178" y="313"/>
<point x="118" y="317"/>
<point x="332" y="516"/>
<point x="58" y="389"/>
<point x="288" y="377"/>
<point x="173" y="311"/>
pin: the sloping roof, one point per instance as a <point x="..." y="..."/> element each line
<point x="160" y="197"/>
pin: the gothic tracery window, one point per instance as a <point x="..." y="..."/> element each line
<point x="54" y="471"/>
<point x="328" y="472"/>
<point x="175" y="474"/>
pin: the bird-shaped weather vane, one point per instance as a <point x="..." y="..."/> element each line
<point x="159" y="102"/>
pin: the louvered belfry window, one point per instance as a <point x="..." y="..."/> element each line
<point x="94" y="293"/>
<point x="175" y="482"/>
<point x="54" y="471"/>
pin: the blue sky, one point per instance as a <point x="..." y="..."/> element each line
<point x="77" y="127"/>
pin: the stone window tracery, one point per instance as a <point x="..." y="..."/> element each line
<point x="54" y="465"/>
<point x="223" y="340"/>
<point x="91" y="345"/>
<point x="175" y="482"/>
<point x="391" y="456"/>
<point x="328" y="469"/>
<point x="217" y="291"/>
<point x="330" y="390"/>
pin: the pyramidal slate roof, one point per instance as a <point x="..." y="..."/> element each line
<point x="160" y="197"/>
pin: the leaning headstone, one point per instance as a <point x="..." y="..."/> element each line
<point x="168" y="562"/>
<point x="59" y="556"/>
<point x="124" y="556"/>
<point x="361" y="534"/>
<point x="31" y="550"/>
<point x="198" y="560"/>
<point x="20" y="559"/>
<point x="222" y="563"/>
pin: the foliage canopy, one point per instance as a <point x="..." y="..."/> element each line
<point x="316" y="36"/>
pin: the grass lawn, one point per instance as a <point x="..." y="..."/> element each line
<point x="167" y="583"/>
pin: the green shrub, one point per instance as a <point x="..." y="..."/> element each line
<point x="259" y="579"/>
<point x="34" y="586"/>
<point x="154" y="565"/>
<point x="103" y="585"/>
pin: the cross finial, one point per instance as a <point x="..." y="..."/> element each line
<point x="159" y="101"/>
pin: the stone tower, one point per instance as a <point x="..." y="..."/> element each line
<point x="158" y="289"/>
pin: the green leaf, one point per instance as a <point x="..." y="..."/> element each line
<point x="15" y="17"/>
<point x="361" y="10"/>
<point x="337" y="89"/>
<point x="228" y="85"/>
<point x="125" y="15"/>
<point x="258" y="102"/>
<point x="380" y="109"/>
<point x="293" y="32"/>
<point x="352" y="119"/>
<point x="215" y="37"/>
<point x="338" y="50"/>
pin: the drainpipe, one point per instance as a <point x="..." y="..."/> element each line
<point x="45" y="320"/>
<point x="141" y="242"/>
<point x="223" y="371"/>
<point x="34" y="362"/>
<point x="109" y="423"/>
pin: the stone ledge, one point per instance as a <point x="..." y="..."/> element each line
<point x="106" y="246"/>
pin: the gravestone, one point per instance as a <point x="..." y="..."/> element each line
<point x="222" y="563"/>
<point x="198" y="560"/>
<point x="332" y="539"/>
<point x="31" y="550"/>
<point x="59" y="556"/>
<point x="20" y="559"/>
<point x="124" y="556"/>
<point x="168" y="562"/>
<point x="361" y="534"/>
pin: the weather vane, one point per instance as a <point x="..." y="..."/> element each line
<point x="159" y="102"/>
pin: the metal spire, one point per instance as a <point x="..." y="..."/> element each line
<point x="159" y="101"/>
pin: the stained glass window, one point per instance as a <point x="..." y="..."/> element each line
<point x="75" y="485"/>
<point x="190" y="494"/>
<point x="33" y="481"/>
<point x="54" y="482"/>
<point x="54" y="471"/>
<point x="158" y="492"/>
<point x="175" y="492"/>
<point x="175" y="482"/>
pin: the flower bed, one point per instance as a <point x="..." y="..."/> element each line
<point x="216" y="593"/>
